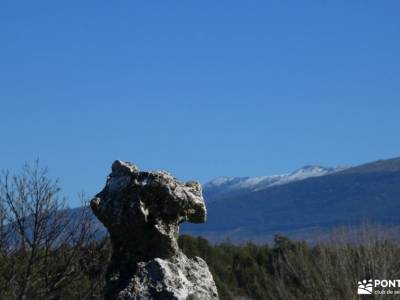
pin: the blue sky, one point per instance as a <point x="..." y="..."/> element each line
<point x="199" y="88"/>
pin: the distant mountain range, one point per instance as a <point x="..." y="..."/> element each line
<point x="303" y="204"/>
<point x="223" y="186"/>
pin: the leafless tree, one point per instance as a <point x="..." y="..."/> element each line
<point x="41" y="238"/>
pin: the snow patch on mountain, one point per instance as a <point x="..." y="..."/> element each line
<point x="225" y="185"/>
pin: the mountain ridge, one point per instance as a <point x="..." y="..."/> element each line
<point x="223" y="185"/>
<point x="368" y="192"/>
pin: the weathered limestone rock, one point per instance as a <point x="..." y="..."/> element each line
<point x="142" y="212"/>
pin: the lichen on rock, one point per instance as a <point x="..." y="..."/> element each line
<point x="142" y="212"/>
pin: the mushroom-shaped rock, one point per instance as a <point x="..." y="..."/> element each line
<point x="142" y="212"/>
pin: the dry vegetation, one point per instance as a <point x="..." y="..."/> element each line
<point x="296" y="270"/>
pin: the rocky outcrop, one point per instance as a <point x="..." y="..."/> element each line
<point x="142" y="212"/>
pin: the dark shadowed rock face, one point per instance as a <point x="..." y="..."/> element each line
<point x="142" y="212"/>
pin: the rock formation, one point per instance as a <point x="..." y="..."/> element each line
<point x="142" y="212"/>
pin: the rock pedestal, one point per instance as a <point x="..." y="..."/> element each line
<point x="142" y="212"/>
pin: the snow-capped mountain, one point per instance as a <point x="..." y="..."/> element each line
<point x="221" y="186"/>
<point x="303" y="204"/>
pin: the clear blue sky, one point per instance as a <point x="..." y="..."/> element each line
<point x="199" y="88"/>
